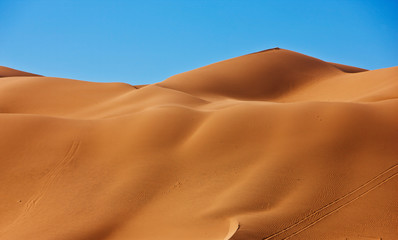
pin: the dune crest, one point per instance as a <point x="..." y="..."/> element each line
<point x="270" y="145"/>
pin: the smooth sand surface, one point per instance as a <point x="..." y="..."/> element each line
<point x="270" y="145"/>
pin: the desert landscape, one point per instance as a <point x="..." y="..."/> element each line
<point x="267" y="146"/>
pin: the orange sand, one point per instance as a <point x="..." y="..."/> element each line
<point x="270" y="145"/>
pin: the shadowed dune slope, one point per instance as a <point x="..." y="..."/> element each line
<point x="271" y="145"/>
<point x="9" y="72"/>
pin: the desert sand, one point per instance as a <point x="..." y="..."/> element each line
<point x="270" y="145"/>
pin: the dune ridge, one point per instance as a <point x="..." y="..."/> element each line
<point x="269" y="145"/>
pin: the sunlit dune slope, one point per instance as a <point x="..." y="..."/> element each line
<point x="269" y="145"/>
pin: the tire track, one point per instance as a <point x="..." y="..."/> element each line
<point x="48" y="180"/>
<point x="53" y="175"/>
<point x="341" y="202"/>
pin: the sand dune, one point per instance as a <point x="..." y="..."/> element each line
<point x="270" y="145"/>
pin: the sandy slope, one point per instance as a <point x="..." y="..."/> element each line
<point x="270" y="145"/>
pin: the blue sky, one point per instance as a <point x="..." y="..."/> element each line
<point x="147" y="41"/>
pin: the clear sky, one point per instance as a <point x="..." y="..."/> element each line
<point x="147" y="41"/>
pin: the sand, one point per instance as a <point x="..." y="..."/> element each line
<point x="269" y="145"/>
